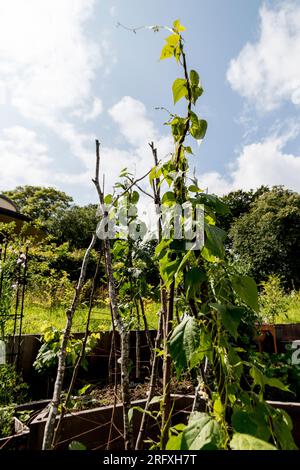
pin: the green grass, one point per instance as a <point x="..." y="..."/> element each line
<point x="37" y="317"/>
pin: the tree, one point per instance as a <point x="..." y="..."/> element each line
<point x="268" y="237"/>
<point x="239" y="203"/>
<point x="74" y="225"/>
<point x="42" y="204"/>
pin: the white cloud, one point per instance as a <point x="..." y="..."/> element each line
<point x="130" y="114"/>
<point x="138" y="130"/>
<point x="113" y="11"/>
<point x="80" y="143"/>
<point x="260" y="163"/>
<point x="22" y="150"/>
<point x="23" y="159"/>
<point x="267" y="72"/>
<point x="47" y="66"/>
<point x="47" y="62"/>
<point x="90" y="114"/>
<point x="215" y="183"/>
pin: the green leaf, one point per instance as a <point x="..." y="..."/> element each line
<point x="262" y="380"/>
<point x="179" y="89"/>
<point x="167" y="52"/>
<point x="202" y="433"/>
<point x="194" y="189"/>
<point x="208" y="256"/>
<point x="198" y="130"/>
<point x="230" y="317"/>
<point x="123" y="172"/>
<point x="214" y="202"/>
<point x="75" y="445"/>
<point x="242" y="422"/>
<point x="184" y="342"/>
<point x="168" y="197"/>
<point x="174" y="442"/>
<point x="162" y="247"/>
<point x="130" y="414"/>
<point x="135" y="197"/>
<point x="108" y="199"/>
<point x="198" y="127"/>
<point x="194" y="78"/>
<point x="156" y="399"/>
<point x="282" y="425"/>
<point x="168" y="269"/>
<point x="246" y="442"/>
<point x="154" y="173"/>
<point x="258" y="377"/>
<point x="276" y="383"/>
<point x="245" y="287"/>
<point x="214" y="240"/>
<point x="173" y="40"/>
<point x="193" y="279"/>
<point x="196" y="93"/>
<point x="189" y="150"/>
<point x="141" y="410"/>
<point x="177" y="125"/>
<point x="260" y="414"/>
<point x="84" y="389"/>
<point x="196" y="89"/>
<point x="179" y="427"/>
<point x="218" y="407"/>
<point x="184" y="260"/>
<point x="177" y="26"/>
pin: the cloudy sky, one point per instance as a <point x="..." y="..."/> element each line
<point x="69" y="75"/>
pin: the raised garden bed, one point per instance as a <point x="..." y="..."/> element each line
<point x="92" y="427"/>
<point x="41" y="385"/>
<point x="19" y="438"/>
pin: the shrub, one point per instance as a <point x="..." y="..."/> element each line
<point x="12" y="387"/>
<point x="273" y="300"/>
<point x="6" y="421"/>
<point x="47" y="357"/>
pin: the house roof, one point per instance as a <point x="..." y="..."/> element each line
<point x="6" y="203"/>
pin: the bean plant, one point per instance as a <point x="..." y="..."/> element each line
<point x="216" y="300"/>
<point x="204" y="301"/>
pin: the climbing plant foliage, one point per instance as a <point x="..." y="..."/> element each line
<point x="214" y="300"/>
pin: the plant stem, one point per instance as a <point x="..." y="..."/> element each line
<point x="162" y="315"/>
<point x="55" y="402"/>
<point x="167" y="370"/>
<point x="80" y="356"/>
<point x="124" y="334"/>
<point x="147" y="332"/>
<point x="152" y="384"/>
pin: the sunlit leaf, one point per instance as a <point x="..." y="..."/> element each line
<point x="246" y="442"/>
<point x="177" y="26"/>
<point x="202" y="433"/>
<point x="179" y="89"/>
<point x="245" y="287"/>
<point x="184" y="342"/>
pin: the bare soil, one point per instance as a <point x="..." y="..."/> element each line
<point x="108" y="394"/>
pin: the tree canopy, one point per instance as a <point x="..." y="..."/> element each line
<point x="239" y="203"/>
<point x="268" y="236"/>
<point x="40" y="203"/>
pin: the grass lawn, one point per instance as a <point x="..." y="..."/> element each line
<point x="37" y="316"/>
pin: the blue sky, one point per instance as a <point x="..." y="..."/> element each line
<point x="69" y="75"/>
